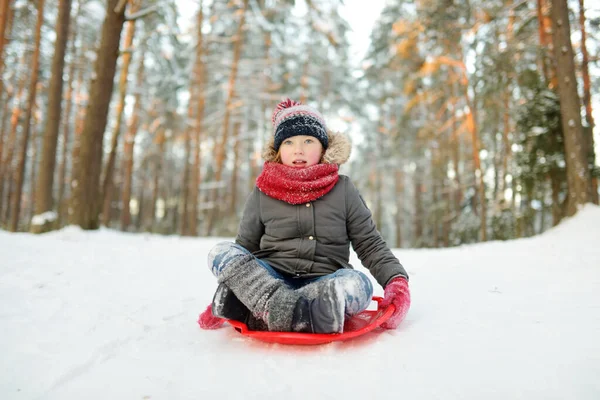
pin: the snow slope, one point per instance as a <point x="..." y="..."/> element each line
<point x="108" y="315"/>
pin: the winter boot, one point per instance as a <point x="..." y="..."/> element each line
<point x="323" y="314"/>
<point x="256" y="324"/>
<point x="226" y="305"/>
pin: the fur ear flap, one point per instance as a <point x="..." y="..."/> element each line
<point x="339" y="148"/>
<point x="338" y="151"/>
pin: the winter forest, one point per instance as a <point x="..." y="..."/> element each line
<point x="470" y="120"/>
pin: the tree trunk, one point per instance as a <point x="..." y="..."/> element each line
<point x="85" y="196"/>
<point x="7" y="170"/>
<point x="7" y="143"/>
<point x="587" y="103"/>
<point x="200" y="78"/>
<point x="418" y="219"/>
<point x="129" y="143"/>
<point x="578" y="173"/>
<point x="399" y="205"/>
<point x="445" y="188"/>
<point x="220" y="153"/>
<point x="139" y="221"/>
<point x="3" y="131"/>
<point x="557" y="214"/>
<point x="458" y="191"/>
<point x="107" y="183"/>
<point x="237" y="164"/>
<point x="20" y="173"/>
<point x="378" y="214"/>
<point x="456" y="158"/>
<point x="542" y="187"/>
<point x="376" y="176"/>
<point x="80" y="102"/>
<point x="33" y="157"/>
<point x="506" y="151"/>
<point x="45" y="182"/>
<point x="4" y="11"/>
<point x="544" y="24"/>
<point x="188" y="216"/>
<point x="265" y="123"/>
<point x="433" y="218"/>
<point x="479" y="183"/>
<point x="495" y="155"/>
<point x="6" y="22"/>
<point x="185" y="184"/>
<point x="157" y="173"/>
<point x="62" y="168"/>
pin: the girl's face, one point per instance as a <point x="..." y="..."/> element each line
<point x="300" y="151"/>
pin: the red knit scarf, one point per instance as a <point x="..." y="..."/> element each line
<point x="297" y="185"/>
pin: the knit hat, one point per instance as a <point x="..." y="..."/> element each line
<point x="291" y="118"/>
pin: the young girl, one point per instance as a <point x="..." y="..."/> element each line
<point x="288" y="269"/>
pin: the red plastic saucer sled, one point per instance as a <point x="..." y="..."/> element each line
<point x="357" y="325"/>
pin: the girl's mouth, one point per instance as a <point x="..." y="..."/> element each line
<point x="299" y="163"/>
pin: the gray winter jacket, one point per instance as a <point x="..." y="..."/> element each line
<point x="313" y="239"/>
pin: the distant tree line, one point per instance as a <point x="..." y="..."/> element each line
<point x="472" y="121"/>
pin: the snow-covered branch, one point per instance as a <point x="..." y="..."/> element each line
<point x="142" y="13"/>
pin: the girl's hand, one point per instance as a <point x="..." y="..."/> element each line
<point x="397" y="293"/>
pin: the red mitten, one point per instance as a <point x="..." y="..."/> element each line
<point x="396" y="292"/>
<point x="208" y="321"/>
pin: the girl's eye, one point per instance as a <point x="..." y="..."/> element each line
<point x="308" y="141"/>
<point x="287" y="142"/>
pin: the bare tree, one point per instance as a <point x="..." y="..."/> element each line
<point x="399" y="196"/>
<point x="66" y="133"/>
<point x="6" y="168"/>
<point x="6" y="18"/>
<point x="4" y="10"/>
<point x="20" y="173"/>
<point x="159" y="140"/>
<point x="220" y="150"/>
<point x="107" y="185"/>
<point x="200" y="84"/>
<point x="578" y="173"/>
<point x="185" y="184"/>
<point x="43" y="201"/>
<point x="33" y="156"/>
<point x="81" y="100"/>
<point x="85" y="198"/>
<point x="128" y="143"/>
<point x="587" y="101"/>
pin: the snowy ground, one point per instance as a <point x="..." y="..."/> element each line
<point x="107" y="315"/>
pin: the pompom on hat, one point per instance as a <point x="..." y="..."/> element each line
<point x="292" y="118"/>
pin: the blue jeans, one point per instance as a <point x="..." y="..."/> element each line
<point x="358" y="289"/>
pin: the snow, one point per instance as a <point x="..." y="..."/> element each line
<point x="538" y="130"/>
<point x="110" y="315"/>
<point x="41" y="219"/>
